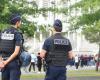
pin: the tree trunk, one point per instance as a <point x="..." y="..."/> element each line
<point x="98" y="61"/>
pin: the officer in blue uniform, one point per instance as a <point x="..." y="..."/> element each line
<point x="12" y="38"/>
<point x="56" y="50"/>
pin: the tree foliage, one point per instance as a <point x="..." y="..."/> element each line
<point x="92" y="32"/>
<point x="8" y="7"/>
<point x="89" y="21"/>
<point x="86" y="5"/>
<point x="25" y="8"/>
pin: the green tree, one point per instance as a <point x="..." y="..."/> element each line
<point x="89" y="21"/>
<point x="25" y="8"/>
<point x="7" y="7"/>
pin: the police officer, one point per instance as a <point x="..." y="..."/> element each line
<point x="10" y="62"/>
<point x="56" y="50"/>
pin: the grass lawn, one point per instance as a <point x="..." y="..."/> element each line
<point x="74" y="73"/>
<point x="85" y="73"/>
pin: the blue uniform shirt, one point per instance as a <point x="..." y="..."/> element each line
<point x="18" y="37"/>
<point x="48" y="42"/>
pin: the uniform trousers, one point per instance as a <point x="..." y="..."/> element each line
<point x="56" y="73"/>
<point x="11" y="71"/>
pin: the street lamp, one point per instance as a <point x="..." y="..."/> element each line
<point x="53" y="3"/>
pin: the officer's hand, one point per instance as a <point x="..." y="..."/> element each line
<point x="5" y="63"/>
<point x="1" y="65"/>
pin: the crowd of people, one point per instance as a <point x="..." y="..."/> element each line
<point x="37" y="63"/>
<point x="77" y="61"/>
<point x="83" y="60"/>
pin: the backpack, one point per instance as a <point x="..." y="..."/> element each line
<point x="25" y="58"/>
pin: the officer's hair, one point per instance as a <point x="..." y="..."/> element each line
<point x="58" y="29"/>
<point x="14" y="18"/>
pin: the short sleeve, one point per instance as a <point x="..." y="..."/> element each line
<point x="69" y="46"/>
<point x="46" y="45"/>
<point x="18" y="39"/>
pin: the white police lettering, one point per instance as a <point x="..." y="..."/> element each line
<point x="61" y="41"/>
<point x="7" y="36"/>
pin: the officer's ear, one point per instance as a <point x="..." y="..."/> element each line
<point x="18" y="23"/>
<point x="53" y="30"/>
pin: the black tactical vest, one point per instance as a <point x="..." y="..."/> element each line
<point x="7" y="41"/>
<point x="57" y="55"/>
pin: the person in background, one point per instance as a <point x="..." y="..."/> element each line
<point x="39" y="62"/>
<point x="76" y="61"/>
<point x="33" y="62"/>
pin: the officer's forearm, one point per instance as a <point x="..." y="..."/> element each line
<point x="16" y="52"/>
<point x="42" y="53"/>
<point x="0" y="58"/>
<point x="70" y="55"/>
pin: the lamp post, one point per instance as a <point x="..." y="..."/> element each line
<point x="54" y="5"/>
